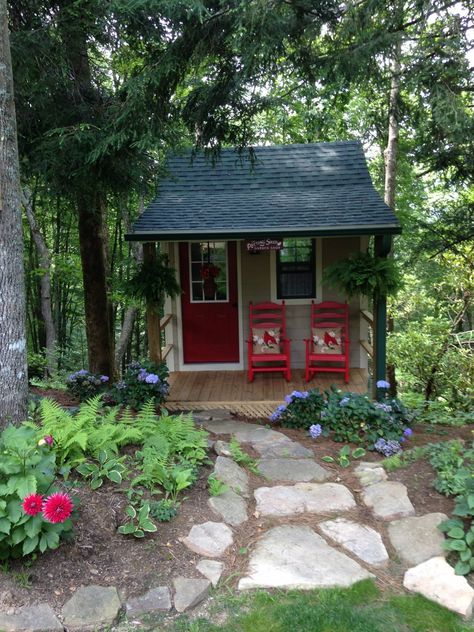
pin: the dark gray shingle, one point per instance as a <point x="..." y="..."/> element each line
<point x="321" y="188"/>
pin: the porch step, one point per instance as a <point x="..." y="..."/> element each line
<point x="251" y="409"/>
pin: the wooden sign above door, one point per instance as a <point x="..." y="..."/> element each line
<point x="260" y="245"/>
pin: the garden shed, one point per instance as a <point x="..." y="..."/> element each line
<point x="262" y="225"/>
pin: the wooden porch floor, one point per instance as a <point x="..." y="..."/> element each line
<point x="229" y="390"/>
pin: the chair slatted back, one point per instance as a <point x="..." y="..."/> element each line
<point x="268" y="316"/>
<point x="330" y="314"/>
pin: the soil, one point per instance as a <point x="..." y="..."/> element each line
<point x="99" y="555"/>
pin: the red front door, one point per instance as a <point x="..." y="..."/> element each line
<point x="209" y="301"/>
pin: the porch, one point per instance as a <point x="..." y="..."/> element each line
<point x="230" y="390"/>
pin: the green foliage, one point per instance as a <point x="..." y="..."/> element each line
<point x="241" y="457"/>
<point x="138" y="522"/>
<point x="141" y="382"/>
<point x="25" y="468"/>
<point x="364" y="274"/>
<point x="215" y="486"/>
<point x="106" y="467"/>
<point x="354" y="418"/>
<point x="453" y="464"/>
<point x="302" y="409"/>
<point x="460" y="530"/>
<point x="153" y="281"/>
<point x="85" y="385"/>
<point x="344" y="456"/>
<point x="163" y="510"/>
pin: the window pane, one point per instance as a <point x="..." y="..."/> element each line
<point x="197" y="291"/>
<point x="295" y="269"/>
<point x="208" y="271"/>
<point x="296" y="285"/>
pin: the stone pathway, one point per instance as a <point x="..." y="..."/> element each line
<point x="336" y="550"/>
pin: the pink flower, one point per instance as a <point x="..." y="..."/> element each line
<point x="57" y="507"/>
<point x="32" y="504"/>
<point x="49" y="439"/>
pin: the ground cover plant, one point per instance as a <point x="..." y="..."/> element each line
<point x="361" y="608"/>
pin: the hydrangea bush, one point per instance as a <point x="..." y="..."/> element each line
<point x="84" y="385"/>
<point x="348" y="417"/>
<point x="301" y="410"/>
<point x="140" y="383"/>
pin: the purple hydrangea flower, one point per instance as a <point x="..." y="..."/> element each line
<point x="151" y="378"/>
<point x="344" y="401"/>
<point x="142" y="375"/>
<point x="387" y="448"/>
<point x="278" y="412"/>
<point x="408" y="432"/>
<point x="104" y="378"/>
<point x="315" y="431"/>
<point x="383" y="384"/>
<point x="121" y="385"/>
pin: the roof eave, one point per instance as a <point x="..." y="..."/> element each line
<point x="329" y="231"/>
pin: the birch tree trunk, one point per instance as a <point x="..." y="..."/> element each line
<point x="45" y="284"/>
<point x="13" y="368"/>
<point x="390" y="160"/>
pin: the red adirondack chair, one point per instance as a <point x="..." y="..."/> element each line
<point x="268" y="347"/>
<point x="327" y="351"/>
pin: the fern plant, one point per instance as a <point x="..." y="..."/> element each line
<point x="364" y="274"/>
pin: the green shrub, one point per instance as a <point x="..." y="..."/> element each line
<point x="84" y="385"/>
<point x="354" y="418"/>
<point x="302" y="409"/>
<point x="140" y="383"/>
<point x="111" y="468"/>
<point x="26" y="469"/>
<point x="453" y="464"/>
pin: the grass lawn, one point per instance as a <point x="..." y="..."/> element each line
<point x="361" y="608"/>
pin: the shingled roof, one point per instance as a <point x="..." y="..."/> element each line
<point x="290" y="190"/>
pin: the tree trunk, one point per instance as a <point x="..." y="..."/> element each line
<point x="98" y="309"/>
<point x="45" y="284"/>
<point x="152" y="312"/>
<point x="13" y="367"/>
<point x="131" y="312"/>
<point x="390" y="159"/>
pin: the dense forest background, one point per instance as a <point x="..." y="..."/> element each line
<point x="104" y="89"/>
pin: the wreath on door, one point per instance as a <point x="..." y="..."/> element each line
<point x="209" y="272"/>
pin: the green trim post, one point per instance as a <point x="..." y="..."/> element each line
<point x="383" y="245"/>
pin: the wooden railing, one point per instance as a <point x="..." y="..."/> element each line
<point x="164" y="322"/>
<point x="365" y="344"/>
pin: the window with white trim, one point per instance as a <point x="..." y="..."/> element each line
<point x="296" y="269"/>
<point x="208" y="271"/>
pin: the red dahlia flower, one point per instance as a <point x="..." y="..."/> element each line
<point x="32" y="504"/>
<point x="57" y="507"/>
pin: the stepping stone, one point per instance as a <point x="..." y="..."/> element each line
<point x="293" y="470"/>
<point x="435" y="579"/>
<point x="38" y="618"/>
<point x="388" y="500"/>
<point x="91" y="607"/>
<point x="370" y="473"/>
<point x="417" y="539"/>
<point x="282" y="449"/>
<point x="231" y="507"/>
<point x="357" y="538"/>
<point x="232" y="427"/>
<point x="155" y="600"/>
<point x="222" y="448"/>
<point x="303" y="497"/>
<point x="209" y="539"/>
<point x="189" y="592"/>
<point x="234" y="476"/>
<point x="212" y="570"/>
<point x="296" y="557"/>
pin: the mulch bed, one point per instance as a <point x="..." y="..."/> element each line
<point x="99" y="555"/>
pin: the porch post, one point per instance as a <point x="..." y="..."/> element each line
<point x="383" y="245"/>
<point x="152" y="311"/>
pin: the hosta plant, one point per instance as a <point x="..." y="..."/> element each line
<point x="33" y="515"/>
<point x="460" y="530"/>
<point x="138" y="522"/>
<point x="106" y="467"/>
